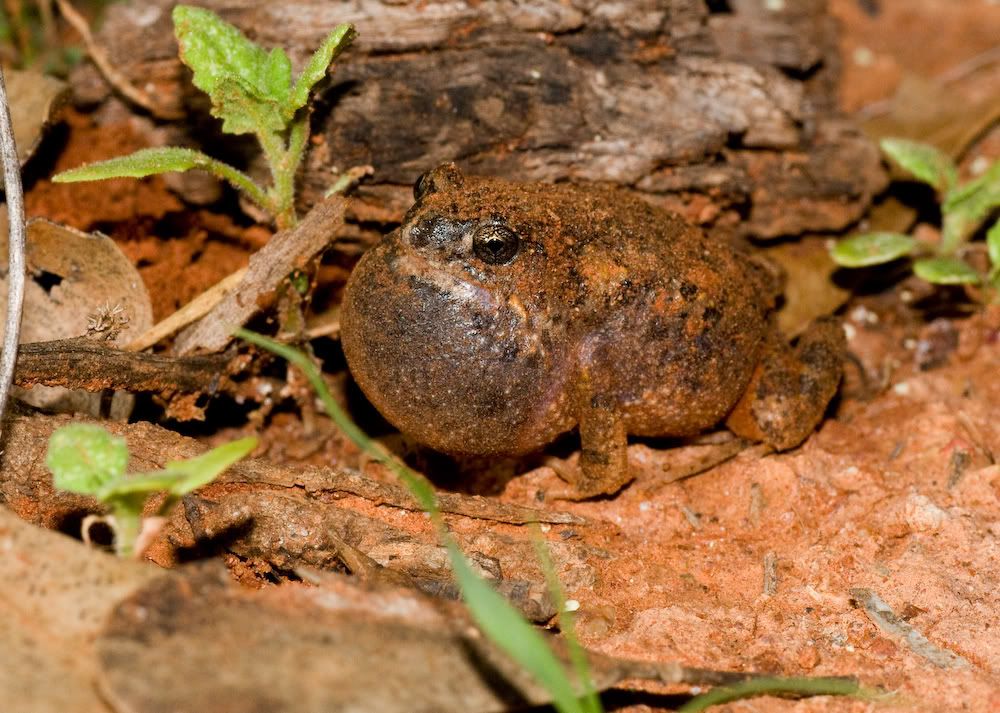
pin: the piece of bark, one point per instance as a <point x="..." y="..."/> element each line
<point x="622" y="92"/>
<point x="87" y="364"/>
<point x="289" y="530"/>
<point x="269" y="266"/>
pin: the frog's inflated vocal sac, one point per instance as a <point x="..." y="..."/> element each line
<point x="500" y="315"/>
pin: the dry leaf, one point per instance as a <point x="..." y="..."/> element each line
<point x="78" y="284"/>
<point x="33" y="98"/>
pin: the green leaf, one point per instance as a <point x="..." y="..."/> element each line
<point x="249" y="87"/>
<point x="976" y="199"/>
<point x="145" y="162"/>
<point x="183" y="476"/>
<point x="767" y="686"/>
<point x="277" y="76"/>
<point x="335" y="43"/>
<point x="925" y="162"/>
<point x="83" y="457"/>
<point x="945" y="271"/>
<point x="202" y="470"/>
<point x="993" y="245"/>
<point x="242" y="113"/>
<point x="872" y="249"/>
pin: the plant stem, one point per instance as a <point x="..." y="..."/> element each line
<point x="15" y="252"/>
<point x="241" y="182"/>
<point x="282" y="191"/>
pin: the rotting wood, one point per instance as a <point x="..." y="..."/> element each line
<point x="742" y="137"/>
<point x="84" y="363"/>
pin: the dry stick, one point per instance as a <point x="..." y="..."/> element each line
<point x="115" y="78"/>
<point x="286" y="251"/>
<point x="15" y="249"/>
<point x="87" y="364"/>
<point x="191" y="312"/>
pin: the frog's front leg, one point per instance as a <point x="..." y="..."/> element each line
<point x="603" y="442"/>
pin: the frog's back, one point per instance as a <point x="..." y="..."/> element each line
<point x="672" y="322"/>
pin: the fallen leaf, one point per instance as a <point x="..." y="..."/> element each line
<point x="78" y="284"/>
<point x="33" y="98"/>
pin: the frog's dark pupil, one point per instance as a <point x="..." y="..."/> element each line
<point x="495" y="244"/>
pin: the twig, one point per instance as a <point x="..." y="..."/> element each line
<point x="15" y="249"/>
<point x="86" y="364"/>
<point x="191" y="312"/>
<point x="286" y="251"/>
<point x="115" y="78"/>
<point x="890" y="624"/>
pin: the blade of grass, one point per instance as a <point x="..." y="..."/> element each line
<point x="768" y="686"/>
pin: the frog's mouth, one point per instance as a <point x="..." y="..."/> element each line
<point x="410" y="265"/>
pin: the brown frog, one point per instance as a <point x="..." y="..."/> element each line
<point x="500" y="315"/>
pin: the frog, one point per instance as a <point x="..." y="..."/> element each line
<point x="502" y="314"/>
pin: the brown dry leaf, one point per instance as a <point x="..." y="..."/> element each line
<point x="809" y="291"/>
<point x="33" y="98"/>
<point x="78" y="284"/>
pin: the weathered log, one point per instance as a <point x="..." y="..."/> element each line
<point x="721" y="110"/>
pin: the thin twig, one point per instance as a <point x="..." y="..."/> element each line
<point x="115" y="78"/>
<point x="15" y="249"/>
<point x="190" y="312"/>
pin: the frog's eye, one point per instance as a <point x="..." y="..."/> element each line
<point x="495" y="244"/>
<point x="442" y="178"/>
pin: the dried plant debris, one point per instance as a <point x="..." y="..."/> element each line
<point x="80" y="284"/>
<point x="33" y="97"/>
<point x="285" y="531"/>
<point x="146" y="637"/>
<point x="892" y="625"/>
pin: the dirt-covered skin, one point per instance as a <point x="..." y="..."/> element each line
<point x="502" y="314"/>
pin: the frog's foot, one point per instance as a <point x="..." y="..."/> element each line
<point x="791" y="388"/>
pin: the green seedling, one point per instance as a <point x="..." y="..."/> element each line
<point x="252" y="92"/>
<point x="964" y="209"/>
<point x="86" y="459"/>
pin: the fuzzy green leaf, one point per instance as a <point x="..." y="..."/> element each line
<point x="872" y="249"/>
<point x="945" y="271"/>
<point x="925" y="162"/>
<point x="976" y="199"/>
<point x="145" y="162"/>
<point x="202" y="470"/>
<point x="217" y="51"/>
<point x="84" y="457"/>
<point x="181" y="477"/>
<point x="993" y="245"/>
<point x="335" y="43"/>
<point x="244" y="114"/>
<point x="249" y="87"/>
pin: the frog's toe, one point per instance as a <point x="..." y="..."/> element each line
<point x="791" y="388"/>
